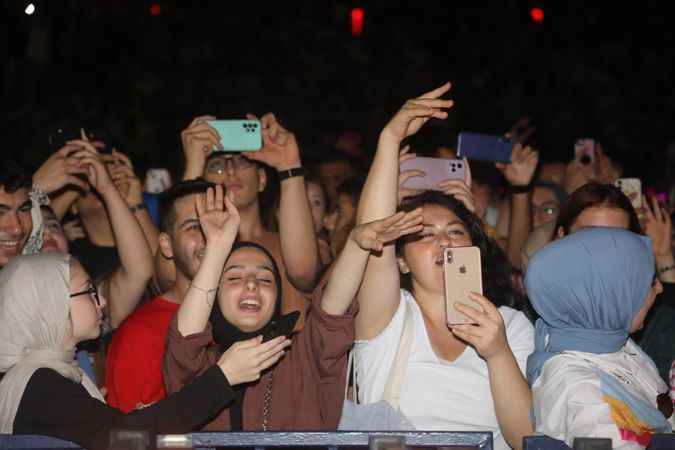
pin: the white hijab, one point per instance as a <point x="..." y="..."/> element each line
<point x="34" y="321"/>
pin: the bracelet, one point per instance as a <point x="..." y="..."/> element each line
<point x="663" y="270"/>
<point x="291" y="173"/>
<point x="210" y="294"/>
<point x="520" y="189"/>
<point x="138" y="207"/>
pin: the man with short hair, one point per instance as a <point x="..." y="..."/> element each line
<point x="15" y="219"/>
<point x="134" y="361"/>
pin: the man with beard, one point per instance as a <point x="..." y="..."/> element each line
<point x="134" y="361"/>
<point x="15" y="219"/>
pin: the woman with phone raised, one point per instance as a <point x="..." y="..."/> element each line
<point x="234" y="300"/>
<point x="466" y="377"/>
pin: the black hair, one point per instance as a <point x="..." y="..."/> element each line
<point x="13" y="177"/>
<point x="167" y="212"/>
<point x="557" y="190"/>
<point x="352" y="187"/>
<point x="498" y="285"/>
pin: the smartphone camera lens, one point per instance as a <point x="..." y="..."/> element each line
<point x="448" y="257"/>
<point x="585" y="159"/>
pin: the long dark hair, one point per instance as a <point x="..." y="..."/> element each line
<point x="497" y="282"/>
<point x="591" y="195"/>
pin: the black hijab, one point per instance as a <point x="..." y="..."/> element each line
<point x="225" y="334"/>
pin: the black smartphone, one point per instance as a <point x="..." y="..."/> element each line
<point x="281" y="326"/>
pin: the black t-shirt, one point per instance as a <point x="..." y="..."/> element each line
<point x="53" y="405"/>
<point x="96" y="260"/>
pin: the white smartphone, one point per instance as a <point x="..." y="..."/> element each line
<point x="632" y="188"/>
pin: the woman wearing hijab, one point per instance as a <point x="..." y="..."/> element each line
<point x="236" y="293"/>
<point x="48" y="305"/>
<point x="589" y="379"/>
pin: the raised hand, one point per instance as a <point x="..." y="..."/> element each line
<point x="94" y="165"/>
<point x="61" y="169"/>
<point x="244" y="361"/>
<point x="658" y="227"/>
<point x="487" y="334"/>
<point x="122" y="174"/>
<point x="521" y="130"/>
<point x="198" y="139"/>
<point x="373" y="236"/>
<point x="280" y="148"/>
<point x="416" y="112"/>
<point x="460" y="189"/>
<point x="404" y="176"/>
<point x="218" y="217"/>
<point x="520" y="171"/>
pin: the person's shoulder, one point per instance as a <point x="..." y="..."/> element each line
<point x="148" y="316"/>
<point x="47" y="379"/>
<point x="568" y="369"/>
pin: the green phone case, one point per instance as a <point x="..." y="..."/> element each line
<point x="238" y="135"/>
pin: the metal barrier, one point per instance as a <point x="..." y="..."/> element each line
<point x="261" y="440"/>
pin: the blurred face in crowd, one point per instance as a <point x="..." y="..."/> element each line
<point x="545" y="206"/>
<point x="340" y="222"/>
<point x="333" y="173"/>
<point x="639" y="319"/>
<point x="185" y="242"/>
<point x="248" y="290"/>
<point x="241" y="176"/>
<point x="482" y="194"/>
<point x="86" y="311"/>
<point x="422" y="254"/>
<point x="317" y="203"/>
<point x="553" y="172"/>
<point x="15" y="223"/>
<point x="600" y="216"/>
<point x="54" y="239"/>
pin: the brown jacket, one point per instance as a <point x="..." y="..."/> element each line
<point x="308" y="383"/>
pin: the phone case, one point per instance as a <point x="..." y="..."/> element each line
<point x="283" y="326"/>
<point x="435" y="169"/>
<point x="462" y="274"/>
<point x="484" y="147"/>
<point x="632" y="188"/>
<point x="238" y="135"/>
<point x="585" y="147"/>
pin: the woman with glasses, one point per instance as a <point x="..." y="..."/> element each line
<point x="48" y="304"/>
<point x="464" y="377"/>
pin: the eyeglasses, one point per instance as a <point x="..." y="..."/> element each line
<point x="547" y="209"/>
<point x="93" y="291"/>
<point x="219" y="164"/>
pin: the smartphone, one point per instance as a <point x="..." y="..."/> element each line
<point x="484" y="147"/>
<point x="632" y="188"/>
<point x="157" y="181"/>
<point x="584" y="149"/>
<point x="282" y="326"/>
<point x="435" y="170"/>
<point x="238" y="135"/>
<point x="462" y="274"/>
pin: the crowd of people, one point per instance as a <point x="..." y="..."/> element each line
<point x="157" y="311"/>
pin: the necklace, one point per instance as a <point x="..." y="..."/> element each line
<point x="268" y="401"/>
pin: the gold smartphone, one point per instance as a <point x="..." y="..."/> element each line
<point x="462" y="274"/>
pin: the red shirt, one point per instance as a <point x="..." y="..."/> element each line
<point x="133" y="375"/>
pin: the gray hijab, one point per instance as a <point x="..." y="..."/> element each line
<point x="34" y="322"/>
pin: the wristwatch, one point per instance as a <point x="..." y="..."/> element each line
<point x="138" y="207"/>
<point x="291" y="173"/>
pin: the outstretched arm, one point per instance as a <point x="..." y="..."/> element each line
<point x="379" y="292"/>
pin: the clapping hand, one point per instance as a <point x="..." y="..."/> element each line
<point x="373" y="236"/>
<point x="218" y="217"/>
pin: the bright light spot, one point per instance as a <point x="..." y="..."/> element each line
<point x="537" y="14"/>
<point x="30" y="9"/>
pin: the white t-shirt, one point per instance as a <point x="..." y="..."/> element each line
<point x="574" y="396"/>
<point x="437" y="395"/>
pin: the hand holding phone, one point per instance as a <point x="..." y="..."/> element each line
<point x="484" y="147"/>
<point x="238" y="135"/>
<point x="632" y="188"/>
<point x="584" y="150"/>
<point x="462" y="274"/>
<point x="282" y="326"/>
<point x="435" y="171"/>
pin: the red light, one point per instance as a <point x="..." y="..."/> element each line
<point x="357" y="16"/>
<point x="155" y="9"/>
<point x="537" y="14"/>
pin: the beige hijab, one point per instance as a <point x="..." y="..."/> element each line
<point x="34" y="320"/>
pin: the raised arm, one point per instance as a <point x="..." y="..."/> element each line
<point x="379" y="292"/>
<point x="126" y="284"/>
<point x="299" y="246"/>
<point x="348" y="270"/>
<point x="219" y="220"/>
<point x="199" y="140"/>
<point x="519" y="173"/>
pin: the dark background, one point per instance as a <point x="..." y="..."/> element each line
<point x="603" y="70"/>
